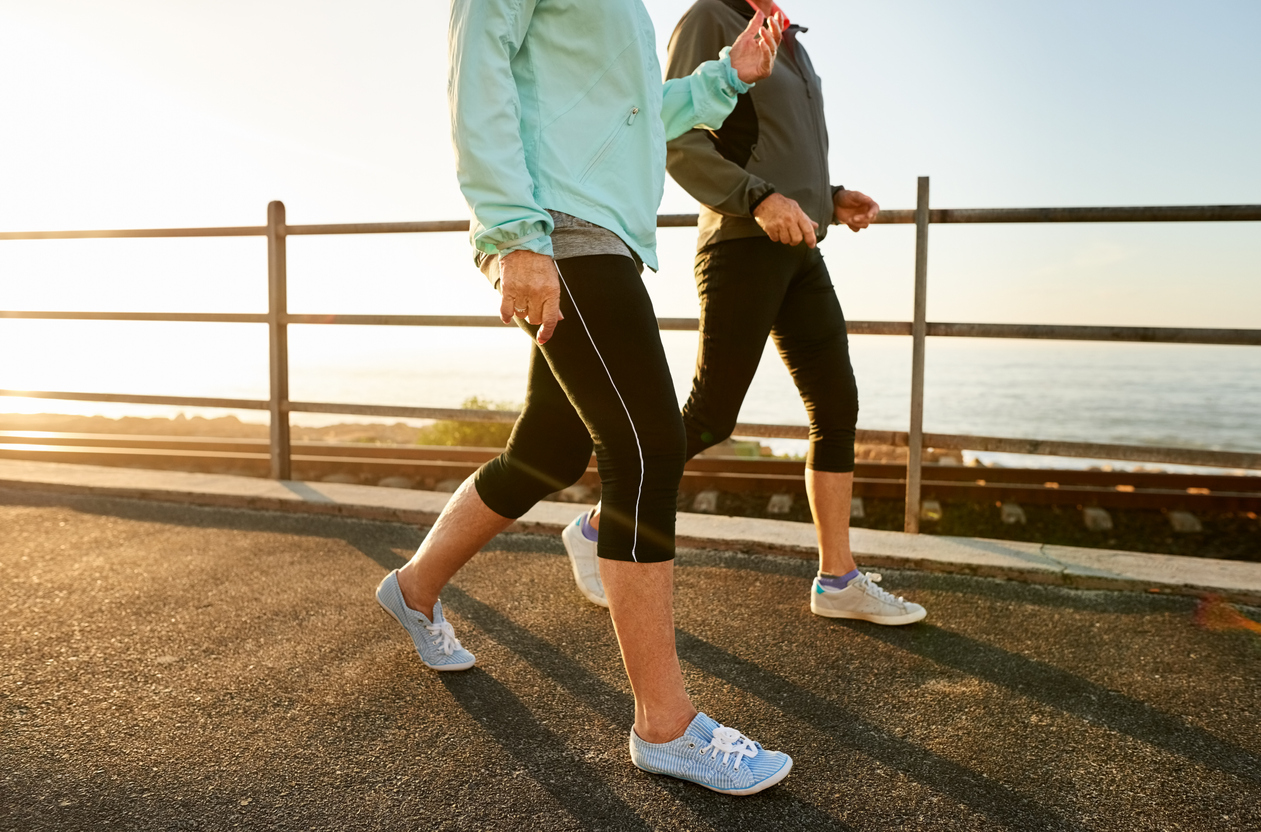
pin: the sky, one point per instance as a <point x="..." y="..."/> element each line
<point x="138" y="113"/>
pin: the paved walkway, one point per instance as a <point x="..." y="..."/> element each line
<point x="184" y="667"/>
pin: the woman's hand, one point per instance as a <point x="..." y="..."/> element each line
<point x="531" y="289"/>
<point x="753" y="53"/>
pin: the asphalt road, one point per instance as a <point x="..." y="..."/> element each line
<point x="169" y="667"/>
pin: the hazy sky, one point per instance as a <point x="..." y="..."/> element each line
<point x="134" y="113"/>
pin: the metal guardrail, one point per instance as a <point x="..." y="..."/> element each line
<point x="278" y="319"/>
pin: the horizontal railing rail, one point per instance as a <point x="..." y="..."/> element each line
<point x="278" y="319"/>
<point x="1058" y="332"/>
<point x="1170" y="213"/>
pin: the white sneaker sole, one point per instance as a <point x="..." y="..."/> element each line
<point x="438" y="667"/>
<point x="565" y="537"/>
<point x="887" y="620"/>
<point x="754" y="789"/>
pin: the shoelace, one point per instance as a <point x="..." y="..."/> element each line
<point x="880" y="592"/>
<point x="444" y="634"/>
<point x="729" y="741"/>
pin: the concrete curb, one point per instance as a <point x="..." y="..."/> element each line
<point x="1235" y="581"/>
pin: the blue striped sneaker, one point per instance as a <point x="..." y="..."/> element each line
<point x="713" y="756"/>
<point x="435" y="640"/>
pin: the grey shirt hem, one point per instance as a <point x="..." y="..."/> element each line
<point x="571" y="237"/>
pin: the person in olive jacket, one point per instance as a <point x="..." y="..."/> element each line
<point x="766" y="200"/>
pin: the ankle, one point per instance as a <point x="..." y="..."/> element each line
<point x="837" y="581"/>
<point x="413" y="596"/>
<point x="664" y="727"/>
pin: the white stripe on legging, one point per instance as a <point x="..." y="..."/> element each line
<point x="638" y="447"/>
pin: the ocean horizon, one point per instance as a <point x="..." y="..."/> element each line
<point x="1189" y="396"/>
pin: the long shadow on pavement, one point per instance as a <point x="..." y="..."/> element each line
<point x="544" y="754"/>
<point x="852" y="731"/>
<point x="1099" y="602"/>
<point x="769" y="810"/>
<point x="1069" y="693"/>
<point x="570" y="782"/>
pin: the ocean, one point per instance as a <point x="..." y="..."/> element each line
<point x="1146" y="394"/>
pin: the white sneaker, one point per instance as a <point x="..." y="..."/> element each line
<point x="583" y="559"/>
<point x="863" y="600"/>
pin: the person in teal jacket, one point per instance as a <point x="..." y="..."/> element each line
<point x="560" y="118"/>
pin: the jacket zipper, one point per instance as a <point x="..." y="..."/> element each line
<point x="807" y="77"/>
<point x="608" y="144"/>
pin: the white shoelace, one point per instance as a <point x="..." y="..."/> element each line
<point x="729" y="741"/>
<point x="444" y="634"/>
<point x="879" y="592"/>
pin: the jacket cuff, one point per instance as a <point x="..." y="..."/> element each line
<point x="836" y="189"/>
<point x="758" y="195"/>
<point x="733" y="78"/>
<point x="539" y="244"/>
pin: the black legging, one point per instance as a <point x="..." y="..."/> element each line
<point x="753" y="287"/>
<point x="602" y="380"/>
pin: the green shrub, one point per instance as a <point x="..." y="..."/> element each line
<point x="470" y="434"/>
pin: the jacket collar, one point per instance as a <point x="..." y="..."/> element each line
<point x="745" y="10"/>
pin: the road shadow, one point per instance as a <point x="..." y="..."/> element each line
<point x="902" y="581"/>
<point x="771" y="809"/>
<point x="851" y="731"/>
<point x="549" y="761"/>
<point x="1069" y="693"/>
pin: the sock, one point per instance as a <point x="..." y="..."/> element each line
<point x="588" y="531"/>
<point x="837" y="581"/>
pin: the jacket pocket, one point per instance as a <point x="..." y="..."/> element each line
<point x="623" y="122"/>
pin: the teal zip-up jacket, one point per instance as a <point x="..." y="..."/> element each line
<point x="560" y="104"/>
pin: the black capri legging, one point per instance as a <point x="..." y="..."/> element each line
<point x="601" y="382"/>
<point x="753" y="287"/>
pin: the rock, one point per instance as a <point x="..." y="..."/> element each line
<point x="1184" y="522"/>
<point x="448" y="486"/>
<point x="397" y="482"/>
<point x="1096" y="519"/>
<point x="856" y="510"/>
<point x="1011" y="514"/>
<point x="706" y="502"/>
<point x="930" y="510"/>
<point x="346" y="479"/>
<point x="780" y="504"/>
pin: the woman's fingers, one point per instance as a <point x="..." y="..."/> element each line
<point x="507" y="309"/>
<point x="551" y="316"/>
<point x="776" y="29"/>
<point x="754" y="25"/>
